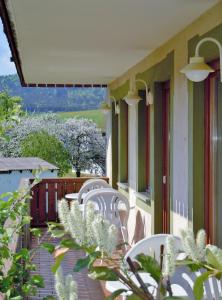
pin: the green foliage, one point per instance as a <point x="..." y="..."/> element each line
<point x="94" y="115"/>
<point x="151" y="266"/>
<point x="103" y="273"/>
<point x="198" y="288"/>
<point x="10" y="110"/>
<point x="115" y="294"/>
<point x="53" y="99"/>
<point x="48" y="147"/>
<point x="16" y="282"/>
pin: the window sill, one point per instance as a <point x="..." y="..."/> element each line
<point x="144" y="196"/>
<point x="123" y="185"/>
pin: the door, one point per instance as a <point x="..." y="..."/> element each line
<point x="166" y="156"/>
<point x="213" y="158"/>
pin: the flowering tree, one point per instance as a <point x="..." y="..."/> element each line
<point x="85" y="144"/>
<point x="11" y="147"/>
<point x="81" y="138"/>
<point x="48" y="147"/>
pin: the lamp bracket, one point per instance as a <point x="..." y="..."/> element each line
<point x="148" y="102"/>
<point x="210" y="39"/>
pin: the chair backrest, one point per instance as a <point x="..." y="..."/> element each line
<point x="90" y="185"/>
<point x="183" y="279"/>
<point x="109" y="202"/>
<point x="152" y="246"/>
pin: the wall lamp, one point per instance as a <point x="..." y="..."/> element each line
<point x="132" y="98"/>
<point x="197" y="70"/>
<point x="117" y="109"/>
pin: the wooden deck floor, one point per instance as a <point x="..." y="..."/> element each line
<point x="88" y="289"/>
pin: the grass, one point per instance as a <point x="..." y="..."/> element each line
<point x="95" y="115"/>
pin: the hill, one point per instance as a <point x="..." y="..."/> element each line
<point x="53" y="99"/>
<point x="95" y="115"/>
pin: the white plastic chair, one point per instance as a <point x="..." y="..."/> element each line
<point x="149" y="246"/>
<point x="110" y="203"/>
<point x="183" y="279"/>
<point x="90" y="185"/>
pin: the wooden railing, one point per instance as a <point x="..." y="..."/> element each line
<point x="46" y="194"/>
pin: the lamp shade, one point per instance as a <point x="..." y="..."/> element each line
<point x="132" y="98"/>
<point x="197" y="70"/>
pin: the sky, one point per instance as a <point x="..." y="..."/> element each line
<point x="6" y="67"/>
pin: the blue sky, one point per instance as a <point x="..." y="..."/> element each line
<point x="6" y="67"/>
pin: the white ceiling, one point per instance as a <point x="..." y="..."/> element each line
<point x="94" y="41"/>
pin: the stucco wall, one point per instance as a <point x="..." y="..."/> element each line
<point x="9" y="182"/>
<point x="178" y="45"/>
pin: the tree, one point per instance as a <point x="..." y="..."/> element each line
<point x="11" y="147"/>
<point x="48" y="147"/>
<point x="85" y="144"/>
<point x="81" y="138"/>
<point x="10" y="110"/>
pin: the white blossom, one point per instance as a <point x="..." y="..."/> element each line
<point x="194" y="250"/>
<point x="76" y="223"/>
<point x="201" y="243"/>
<point x="63" y="211"/>
<point x="90" y="215"/>
<point x="90" y="229"/>
<point x="170" y="257"/>
<point x="112" y="239"/>
<point x="66" y="288"/>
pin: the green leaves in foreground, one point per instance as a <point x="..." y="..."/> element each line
<point x="115" y="294"/>
<point x="37" y="280"/>
<point x="150" y="265"/>
<point x="198" y="288"/>
<point x="86" y="261"/>
<point x="103" y="273"/>
<point x="49" y="247"/>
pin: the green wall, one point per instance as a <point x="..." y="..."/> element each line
<point x="196" y="131"/>
<point x="157" y="74"/>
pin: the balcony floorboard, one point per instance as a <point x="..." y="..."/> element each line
<point x="88" y="289"/>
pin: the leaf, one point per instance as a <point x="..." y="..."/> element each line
<point x="26" y="220"/>
<point x="133" y="297"/>
<point x="103" y="273"/>
<point x="71" y="244"/>
<point x="16" y="298"/>
<point x="115" y="294"/>
<point x="198" y="289"/>
<point x="58" y="262"/>
<point x="36" y="232"/>
<point x="60" y="251"/>
<point x="81" y="263"/>
<point x="150" y="265"/>
<point x="49" y="247"/>
<point x="57" y="233"/>
<point x="37" y="280"/>
<point x="213" y="260"/>
<point x="49" y="298"/>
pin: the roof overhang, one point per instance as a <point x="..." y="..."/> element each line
<point x="89" y="42"/>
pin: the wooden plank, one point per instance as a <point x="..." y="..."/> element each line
<point x="52" y="202"/>
<point x="34" y="209"/>
<point x="42" y="204"/>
